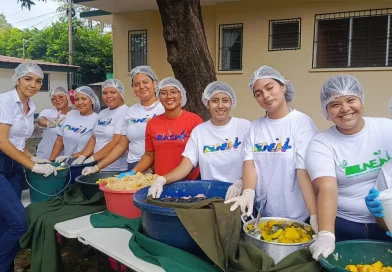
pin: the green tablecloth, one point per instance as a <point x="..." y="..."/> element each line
<point x="41" y="218"/>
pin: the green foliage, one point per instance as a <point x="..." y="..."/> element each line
<point x="3" y="22"/>
<point x="92" y="48"/>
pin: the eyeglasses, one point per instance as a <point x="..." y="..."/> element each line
<point x="166" y="93"/>
<point x="58" y="97"/>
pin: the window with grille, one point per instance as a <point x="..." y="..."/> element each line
<point x="137" y="44"/>
<point x="353" y="39"/>
<point x="45" y="83"/>
<point x="285" y="34"/>
<point x="230" y="47"/>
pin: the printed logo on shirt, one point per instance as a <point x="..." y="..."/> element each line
<point x="227" y="145"/>
<point x="173" y="137"/>
<point x="366" y="167"/>
<point x="141" y="120"/>
<point x="79" y="130"/>
<point x="278" y="146"/>
<point x="104" y="123"/>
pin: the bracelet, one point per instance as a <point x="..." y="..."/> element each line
<point x="96" y="166"/>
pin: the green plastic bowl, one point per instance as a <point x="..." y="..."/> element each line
<point x="88" y="183"/>
<point x="357" y="252"/>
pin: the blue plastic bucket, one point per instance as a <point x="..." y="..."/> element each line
<point x="163" y="224"/>
<point x="76" y="170"/>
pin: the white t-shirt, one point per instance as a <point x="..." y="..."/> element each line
<point x="355" y="161"/>
<point x="76" y="129"/>
<point x="278" y="147"/>
<point x="218" y="150"/>
<point x="110" y="122"/>
<point x="134" y="128"/>
<point x="11" y="113"/>
<point x="49" y="135"/>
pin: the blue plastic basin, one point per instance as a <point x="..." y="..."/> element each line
<point x="162" y="224"/>
<point x="76" y="170"/>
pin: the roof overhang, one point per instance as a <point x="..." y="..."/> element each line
<point x="118" y="6"/>
<point x="98" y="15"/>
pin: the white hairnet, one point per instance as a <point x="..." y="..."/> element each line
<point x="171" y="81"/>
<point x="143" y="70"/>
<point x="338" y="86"/>
<point x="91" y="94"/>
<point x="58" y="90"/>
<point x="218" y="87"/>
<point x="269" y="72"/>
<point x="25" y="68"/>
<point x="114" y="83"/>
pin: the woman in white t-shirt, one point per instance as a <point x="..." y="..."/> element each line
<point x="107" y="129"/>
<point x="274" y="175"/>
<point x="77" y="127"/>
<point x="16" y="125"/>
<point x="144" y="82"/>
<point x="216" y="145"/>
<point x="50" y="119"/>
<point x="343" y="163"/>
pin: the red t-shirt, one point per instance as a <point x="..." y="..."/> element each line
<point x="168" y="137"/>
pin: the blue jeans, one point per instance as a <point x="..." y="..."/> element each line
<point x="348" y="230"/>
<point x="12" y="213"/>
<point x="132" y="165"/>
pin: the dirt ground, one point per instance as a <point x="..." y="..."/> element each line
<point x="76" y="257"/>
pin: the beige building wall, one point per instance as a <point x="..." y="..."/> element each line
<point x="41" y="99"/>
<point x="295" y="65"/>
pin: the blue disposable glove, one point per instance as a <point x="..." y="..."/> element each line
<point x="374" y="206"/>
<point x="130" y="173"/>
<point x="389" y="234"/>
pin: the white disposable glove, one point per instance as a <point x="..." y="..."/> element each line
<point x="234" y="190"/>
<point x="324" y="245"/>
<point x="90" y="170"/>
<point x="313" y="223"/>
<point x="79" y="160"/>
<point x="45" y="169"/>
<point x="157" y="187"/>
<point x="246" y="200"/>
<point x="39" y="160"/>
<point x="54" y="122"/>
<point x="60" y="159"/>
<point x="89" y="160"/>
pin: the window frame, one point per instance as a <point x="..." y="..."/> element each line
<point x="48" y="79"/>
<point x="221" y="27"/>
<point x="136" y="31"/>
<point x="350" y="15"/>
<point x="270" y="34"/>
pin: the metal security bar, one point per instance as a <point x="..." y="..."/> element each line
<point x="230" y="47"/>
<point x="284" y="34"/>
<point x="353" y="39"/>
<point x="137" y="48"/>
<point x="45" y="83"/>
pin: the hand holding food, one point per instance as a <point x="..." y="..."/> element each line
<point x="129" y="173"/>
<point x="90" y="170"/>
<point x="45" y="169"/>
<point x="39" y="160"/>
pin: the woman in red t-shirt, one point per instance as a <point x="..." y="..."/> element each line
<point x="168" y="133"/>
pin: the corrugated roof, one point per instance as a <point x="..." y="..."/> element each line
<point x="20" y="60"/>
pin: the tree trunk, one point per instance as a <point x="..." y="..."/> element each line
<point x="187" y="49"/>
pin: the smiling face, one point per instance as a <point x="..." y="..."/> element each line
<point x="170" y="98"/>
<point x="269" y="93"/>
<point x="60" y="101"/>
<point x="220" y="107"/>
<point x="346" y="113"/>
<point x="84" y="104"/>
<point x="112" y="98"/>
<point x="144" y="87"/>
<point x="29" y="85"/>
